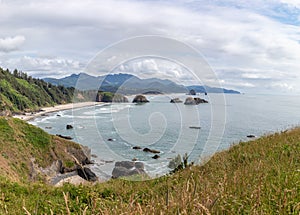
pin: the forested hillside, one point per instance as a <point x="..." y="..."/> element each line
<point x="20" y="92"/>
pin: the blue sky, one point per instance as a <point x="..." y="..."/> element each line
<point x="253" y="46"/>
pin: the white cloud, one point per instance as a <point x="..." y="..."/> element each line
<point x="158" y="68"/>
<point x="252" y="37"/>
<point x="9" y="44"/>
<point x="44" y="67"/>
<point x="291" y="3"/>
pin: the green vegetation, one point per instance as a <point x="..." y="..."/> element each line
<point x="257" y="177"/>
<point x="110" y="97"/>
<point x="20" y="92"/>
<point x="23" y="145"/>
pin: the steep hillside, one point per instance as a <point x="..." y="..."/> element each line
<point x="26" y="150"/>
<point x="20" y="92"/>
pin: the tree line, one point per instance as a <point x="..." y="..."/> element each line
<point x="21" y="92"/>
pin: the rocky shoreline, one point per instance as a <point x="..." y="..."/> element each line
<point x="58" y="173"/>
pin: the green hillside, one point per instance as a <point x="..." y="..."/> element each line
<point x="257" y="177"/>
<point x="20" y="92"/>
<point x="23" y="145"/>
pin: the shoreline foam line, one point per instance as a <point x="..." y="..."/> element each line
<point x="45" y="110"/>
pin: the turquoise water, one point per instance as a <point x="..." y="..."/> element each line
<point x="160" y="125"/>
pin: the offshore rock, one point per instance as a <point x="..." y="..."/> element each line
<point x="194" y="101"/>
<point x="140" y="99"/>
<point x="175" y="100"/>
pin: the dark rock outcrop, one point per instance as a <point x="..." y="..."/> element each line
<point x="126" y="164"/>
<point x="82" y="155"/>
<point x="64" y="137"/>
<point x="69" y="127"/>
<point x="251" y="136"/>
<point x="190" y="101"/>
<point x="176" y="100"/>
<point x="140" y="99"/>
<point x="136" y="147"/>
<point x="199" y="100"/>
<point x="194" y="101"/>
<point x="151" y="150"/>
<point x="195" y="127"/>
<point x="128" y="168"/>
<point x="87" y="174"/>
<point x="156" y="157"/>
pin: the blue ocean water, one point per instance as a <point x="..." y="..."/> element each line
<point x="111" y="130"/>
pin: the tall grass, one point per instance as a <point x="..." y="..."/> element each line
<point x="257" y="177"/>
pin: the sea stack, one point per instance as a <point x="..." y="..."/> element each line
<point x="140" y="99"/>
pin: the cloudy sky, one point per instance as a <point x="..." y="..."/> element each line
<point x="253" y="46"/>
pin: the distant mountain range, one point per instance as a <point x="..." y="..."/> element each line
<point x="129" y="84"/>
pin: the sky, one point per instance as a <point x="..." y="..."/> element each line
<point x="252" y="46"/>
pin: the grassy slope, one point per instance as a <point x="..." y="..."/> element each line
<point x="20" y="142"/>
<point x="257" y="177"/>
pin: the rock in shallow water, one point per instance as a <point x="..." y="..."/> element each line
<point x="194" y="101"/>
<point x="251" y="136"/>
<point x="151" y="150"/>
<point x="175" y="100"/>
<point x="128" y="168"/>
<point x="156" y="157"/>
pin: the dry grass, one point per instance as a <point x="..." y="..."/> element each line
<point x="258" y="177"/>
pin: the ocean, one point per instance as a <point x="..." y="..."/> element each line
<point x="111" y="130"/>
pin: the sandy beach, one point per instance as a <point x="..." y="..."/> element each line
<point x="45" y="110"/>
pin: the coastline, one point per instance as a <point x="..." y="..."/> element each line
<point x="46" y="110"/>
